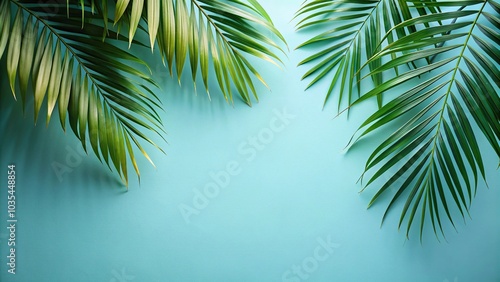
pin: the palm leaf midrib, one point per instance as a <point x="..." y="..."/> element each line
<point x="453" y="76"/>
<point x="431" y="155"/>
<point x="447" y="94"/>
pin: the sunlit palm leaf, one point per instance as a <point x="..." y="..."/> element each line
<point x="454" y="56"/>
<point x="220" y="32"/>
<point x="95" y="84"/>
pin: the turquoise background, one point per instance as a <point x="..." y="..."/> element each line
<point x="298" y="190"/>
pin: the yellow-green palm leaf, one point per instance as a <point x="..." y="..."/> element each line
<point x="93" y="83"/>
<point x="209" y="32"/>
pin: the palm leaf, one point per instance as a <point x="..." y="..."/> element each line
<point x="436" y="149"/>
<point x="220" y="32"/>
<point x="95" y="84"/>
<point x="446" y="54"/>
<point x="349" y="33"/>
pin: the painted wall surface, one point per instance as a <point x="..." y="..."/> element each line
<point x="244" y="194"/>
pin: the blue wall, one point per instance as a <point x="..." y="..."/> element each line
<point x="290" y="202"/>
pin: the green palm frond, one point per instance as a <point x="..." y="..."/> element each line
<point x="447" y="55"/>
<point x="213" y="32"/>
<point x="350" y="32"/>
<point x="459" y="84"/>
<point x="94" y="83"/>
<point x="65" y="49"/>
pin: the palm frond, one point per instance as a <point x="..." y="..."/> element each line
<point x="454" y="56"/>
<point x="350" y="32"/>
<point x="95" y="84"/>
<point x="213" y="32"/>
